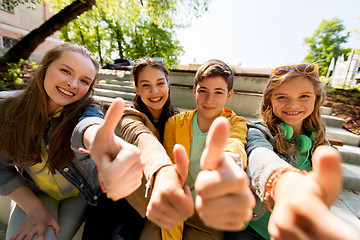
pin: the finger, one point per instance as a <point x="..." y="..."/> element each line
<point x="327" y="172"/>
<point x="215" y="142"/>
<point x="182" y="162"/>
<point x="113" y="115"/>
<point x="55" y="226"/>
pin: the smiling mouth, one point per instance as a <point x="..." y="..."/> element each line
<point x="65" y="92"/>
<point x="292" y="113"/>
<point x="155" y="99"/>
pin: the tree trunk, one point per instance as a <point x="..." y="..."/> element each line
<point x="32" y="40"/>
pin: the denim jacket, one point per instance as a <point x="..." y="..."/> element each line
<point x="262" y="165"/>
<point x="81" y="171"/>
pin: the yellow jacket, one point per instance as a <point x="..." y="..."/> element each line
<point x="178" y="130"/>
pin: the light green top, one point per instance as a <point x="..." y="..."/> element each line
<point x="197" y="146"/>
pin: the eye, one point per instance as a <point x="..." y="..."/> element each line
<point x="145" y="85"/>
<point x="304" y="96"/>
<point x="65" y="71"/>
<point x="219" y="92"/>
<point x="202" y="91"/>
<point x="161" y="83"/>
<point x="86" y="82"/>
<point x="280" y="97"/>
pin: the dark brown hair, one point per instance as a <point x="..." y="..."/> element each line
<point x="168" y="109"/>
<point x="214" y="68"/>
<point x="24" y="118"/>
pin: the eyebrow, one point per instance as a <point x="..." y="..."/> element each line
<point x="288" y="94"/>
<point x="144" y="80"/>
<point x="216" y="89"/>
<point x="87" y="77"/>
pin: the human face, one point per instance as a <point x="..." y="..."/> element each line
<point x="153" y="89"/>
<point x="211" y="95"/>
<point x="68" y="79"/>
<point x="293" y="101"/>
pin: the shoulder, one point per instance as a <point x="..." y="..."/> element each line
<point x="92" y="110"/>
<point x="184" y="116"/>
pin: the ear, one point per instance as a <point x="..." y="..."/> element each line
<point x="229" y="96"/>
<point x="136" y="90"/>
<point x="194" y="90"/>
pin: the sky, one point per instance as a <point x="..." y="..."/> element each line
<point x="262" y="33"/>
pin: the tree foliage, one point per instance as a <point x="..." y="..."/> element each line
<point x="29" y="43"/>
<point x="326" y="43"/>
<point x="132" y="28"/>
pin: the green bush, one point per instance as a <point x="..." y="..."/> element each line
<point x="342" y="100"/>
<point x="2" y="85"/>
<point x="355" y="89"/>
<point x="357" y="95"/>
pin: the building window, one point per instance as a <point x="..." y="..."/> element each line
<point x="6" y="5"/>
<point x="8" y="42"/>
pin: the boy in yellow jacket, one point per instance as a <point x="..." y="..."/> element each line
<point x="218" y="187"/>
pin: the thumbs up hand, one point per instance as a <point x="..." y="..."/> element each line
<point x="171" y="201"/>
<point x="302" y="202"/>
<point x="118" y="162"/>
<point x="224" y="200"/>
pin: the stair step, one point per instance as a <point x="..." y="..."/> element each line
<point x="114" y="74"/>
<point x="342" y="134"/>
<point x="114" y="94"/>
<point x="332" y="121"/>
<point x="325" y="110"/>
<point x="109" y="100"/>
<point x="347" y="207"/>
<point x="351" y="174"/>
<point x="117" y="82"/>
<point x="350" y="154"/>
<point x="116" y="87"/>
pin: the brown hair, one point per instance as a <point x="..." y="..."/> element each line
<point x="214" y="68"/>
<point x="25" y="117"/>
<point x="312" y="123"/>
<point x="168" y="109"/>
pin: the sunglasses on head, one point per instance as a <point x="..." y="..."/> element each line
<point x="304" y="68"/>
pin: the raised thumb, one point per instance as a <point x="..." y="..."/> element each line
<point x="181" y="162"/>
<point x="113" y="115"/>
<point x="327" y="172"/>
<point x="216" y="139"/>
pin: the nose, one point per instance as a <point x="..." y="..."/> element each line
<point x="292" y="103"/>
<point x="154" y="89"/>
<point x="72" y="83"/>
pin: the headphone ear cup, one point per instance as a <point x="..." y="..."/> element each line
<point x="287" y="130"/>
<point x="303" y="143"/>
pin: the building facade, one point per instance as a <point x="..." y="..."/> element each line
<point x="17" y="22"/>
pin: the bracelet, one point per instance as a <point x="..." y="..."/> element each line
<point x="272" y="180"/>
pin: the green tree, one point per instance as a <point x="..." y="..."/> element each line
<point x="326" y="43"/>
<point x="28" y="43"/>
<point x="133" y="28"/>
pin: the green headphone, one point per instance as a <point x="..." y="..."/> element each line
<point x="303" y="142"/>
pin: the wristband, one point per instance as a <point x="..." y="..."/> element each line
<point x="271" y="182"/>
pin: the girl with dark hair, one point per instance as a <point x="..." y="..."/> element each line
<point x="142" y="125"/>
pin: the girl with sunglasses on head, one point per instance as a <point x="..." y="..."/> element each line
<point x="48" y="179"/>
<point x="142" y="125"/>
<point x="294" y="184"/>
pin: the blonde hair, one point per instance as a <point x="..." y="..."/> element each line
<point x="312" y="123"/>
<point x="24" y="118"/>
